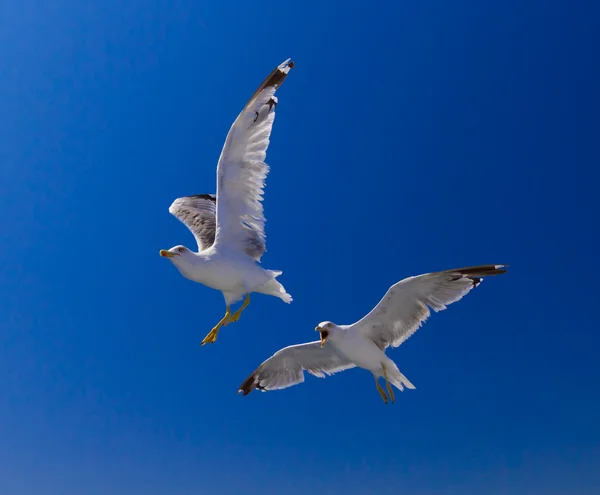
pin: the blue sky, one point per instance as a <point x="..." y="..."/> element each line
<point x="410" y="137"/>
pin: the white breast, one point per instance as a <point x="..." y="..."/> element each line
<point x="225" y="273"/>
<point x="361" y="351"/>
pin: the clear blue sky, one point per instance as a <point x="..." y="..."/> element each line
<point x="411" y="137"/>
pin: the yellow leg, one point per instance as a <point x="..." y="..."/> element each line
<point x="212" y="335"/>
<point x="381" y="391"/>
<point x="387" y="384"/>
<point x="236" y="316"/>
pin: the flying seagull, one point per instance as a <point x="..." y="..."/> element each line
<point x="403" y="309"/>
<point x="229" y="227"/>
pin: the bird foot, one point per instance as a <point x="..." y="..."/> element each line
<point x="234" y="317"/>
<point x="391" y="392"/>
<point x="381" y="392"/>
<point x="211" y="338"/>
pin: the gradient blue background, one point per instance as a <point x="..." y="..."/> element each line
<point x="412" y="136"/>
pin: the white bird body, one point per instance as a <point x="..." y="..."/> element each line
<point x="229" y="227"/>
<point x="401" y="311"/>
<point x="232" y="273"/>
<point x="357" y="348"/>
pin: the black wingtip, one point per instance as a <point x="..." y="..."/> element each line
<point x="210" y="197"/>
<point x="480" y="270"/>
<point x="476" y="273"/>
<point x="251" y="383"/>
<point x="248" y="386"/>
<point x="275" y="78"/>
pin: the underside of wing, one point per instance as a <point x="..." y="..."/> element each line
<point x="198" y="213"/>
<point x="286" y="367"/>
<point x="406" y="305"/>
<point x="242" y="170"/>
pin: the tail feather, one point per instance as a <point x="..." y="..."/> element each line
<point x="274" y="288"/>
<point x="400" y="382"/>
<point x="397" y="379"/>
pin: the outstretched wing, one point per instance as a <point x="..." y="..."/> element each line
<point x="286" y="367"/>
<point x="241" y="171"/>
<point x="405" y="306"/>
<point x="198" y="213"/>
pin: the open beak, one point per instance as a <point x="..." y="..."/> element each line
<point x="324" y="335"/>
<point x="166" y="254"/>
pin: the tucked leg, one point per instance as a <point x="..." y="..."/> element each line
<point x="212" y="335"/>
<point x="380" y="390"/>
<point x="236" y="316"/>
<point x="387" y="384"/>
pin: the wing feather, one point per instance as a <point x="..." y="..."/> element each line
<point x="242" y="170"/>
<point x="197" y="213"/>
<point x="286" y="367"/>
<point x="405" y="306"/>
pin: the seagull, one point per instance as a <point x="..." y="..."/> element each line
<point x="229" y="227"/>
<point x="403" y="309"/>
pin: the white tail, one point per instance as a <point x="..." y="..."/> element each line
<point x="274" y="288"/>
<point x="398" y="380"/>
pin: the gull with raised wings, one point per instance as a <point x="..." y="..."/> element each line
<point x="229" y="227"/>
<point x="403" y="309"/>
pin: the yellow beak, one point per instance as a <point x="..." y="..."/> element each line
<point x="166" y="254"/>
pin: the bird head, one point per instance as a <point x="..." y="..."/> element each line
<point x="326" y="329"/>
<point x="177" y="254"/>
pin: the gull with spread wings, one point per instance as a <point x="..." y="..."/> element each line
<point x="229" y="227"/>
<point x="403" y="309"/>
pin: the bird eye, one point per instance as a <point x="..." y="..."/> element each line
<point x="181" y="249"/>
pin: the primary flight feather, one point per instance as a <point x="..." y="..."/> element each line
<point x="229" y="227"/>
